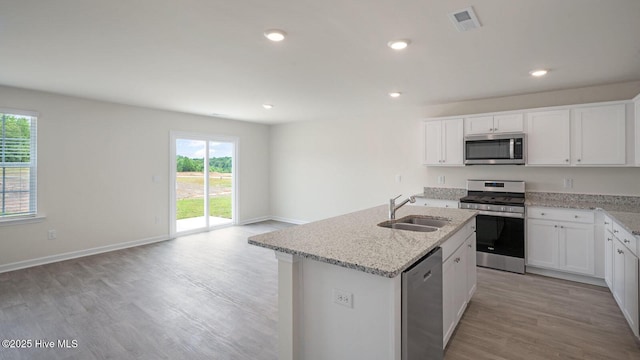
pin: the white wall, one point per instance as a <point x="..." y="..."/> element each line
<point x="95" y="166"/>
<point x="321" y="169"/>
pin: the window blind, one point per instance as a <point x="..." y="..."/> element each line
<point x="18" y="159"/>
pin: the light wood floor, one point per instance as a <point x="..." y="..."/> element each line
<point x="514" y="316"/>
<point x="213" y="296"/>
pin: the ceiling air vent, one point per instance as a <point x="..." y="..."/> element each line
<point x="465" y="19"/>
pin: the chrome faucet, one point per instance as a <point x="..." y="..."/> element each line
<point x="393" y="207"/>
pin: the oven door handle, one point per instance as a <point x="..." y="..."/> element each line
<point x="502" y="214"/>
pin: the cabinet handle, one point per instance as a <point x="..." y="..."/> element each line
<point x="561" y="227"/>
<point x="576" y="216"/>
<point x="609" y="239"/>
<point x="627" y="241"/>
<point x="470" y="245"/>
<point x="541" y="214"/>
<point x="457" y="260"/>
<point x="566" y="160"/>
<point x="620" y="251"/>
<point x="606" y="223"/>
<point x="555" y="226"/>
<point x="579" y="160"/>
<point x="615" y="231"/>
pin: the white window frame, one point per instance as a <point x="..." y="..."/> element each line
<point x="174" y="135"/>
<point x="32" y="215"/>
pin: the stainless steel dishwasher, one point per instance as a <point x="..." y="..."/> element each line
<point x="422" y="309"/>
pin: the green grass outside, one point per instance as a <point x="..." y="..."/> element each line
<point x="219" y="206"/>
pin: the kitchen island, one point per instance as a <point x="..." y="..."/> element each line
<point x="339" y="284"/>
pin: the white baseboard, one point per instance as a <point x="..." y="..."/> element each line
<point x="80" y="253"/>
<point x="290" y="221"/>
<point x="103" y="249"/>
<point x="566" y="276"/>
<point x="255" y="220"/>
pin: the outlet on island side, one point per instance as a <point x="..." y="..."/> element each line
<point x="343" y="298"/>
<point x="52" y="234"/>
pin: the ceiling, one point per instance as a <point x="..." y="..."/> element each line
<point x="210" y="56"/>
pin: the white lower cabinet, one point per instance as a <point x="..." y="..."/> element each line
<point x="608" y="259"/>
<point x="472" y="274"/>
<point x="459" y="283"/>
<point x="625" y="283"/>
<point x="542" y="243"/>
<point x="576" y="248"/>
<point x="555" y="243"/>
<point x="622" y="263"/>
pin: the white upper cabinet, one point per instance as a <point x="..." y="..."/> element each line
<point x="478" y="125"/>
<point x="598" y="135"/>
<point x="505" y="123"/>
<point x="636" y="102"/>
<point x="443" y="142"/>
<point x="581" y="136"/>
<point x="548" y="134"/>
<point x="572" y="135"/>
<point x="433" y="143"/>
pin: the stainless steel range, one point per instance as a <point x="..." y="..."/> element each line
<point x="500" y="224"/>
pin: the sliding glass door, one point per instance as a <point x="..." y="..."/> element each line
<point x="203" y="195"/>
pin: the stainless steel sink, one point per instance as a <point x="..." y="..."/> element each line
<point x="410" y="227"/>
<point x="418" y="223"/>
<point x="424" y="220"/>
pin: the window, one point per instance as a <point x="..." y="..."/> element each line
<point x="17" y="164"/>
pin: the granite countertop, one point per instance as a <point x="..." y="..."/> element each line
<point x="443" y="193"/>
<point x="625" y="209"/>
<point x="355" y="241"/>
<point x="631" y="221"/>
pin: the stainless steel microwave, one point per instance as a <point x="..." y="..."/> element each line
<point x="495" y="149"/>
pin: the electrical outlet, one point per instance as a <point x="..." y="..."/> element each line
<point x="52" y="235"/>
<point x="398" y="178"/>
<point x="343" y="298"/>
<point x="568" y="183"/>
<point x="441" y="179"/>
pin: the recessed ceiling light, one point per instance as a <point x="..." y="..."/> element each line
<point x="267" y="106"/>
<point x="275" y="34"/>
<point x="398" y="44"/>
<point x="538" y="73"/>
<point x="395" y="94"/>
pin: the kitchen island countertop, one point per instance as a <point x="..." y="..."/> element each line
<point x="355" y="241"/>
